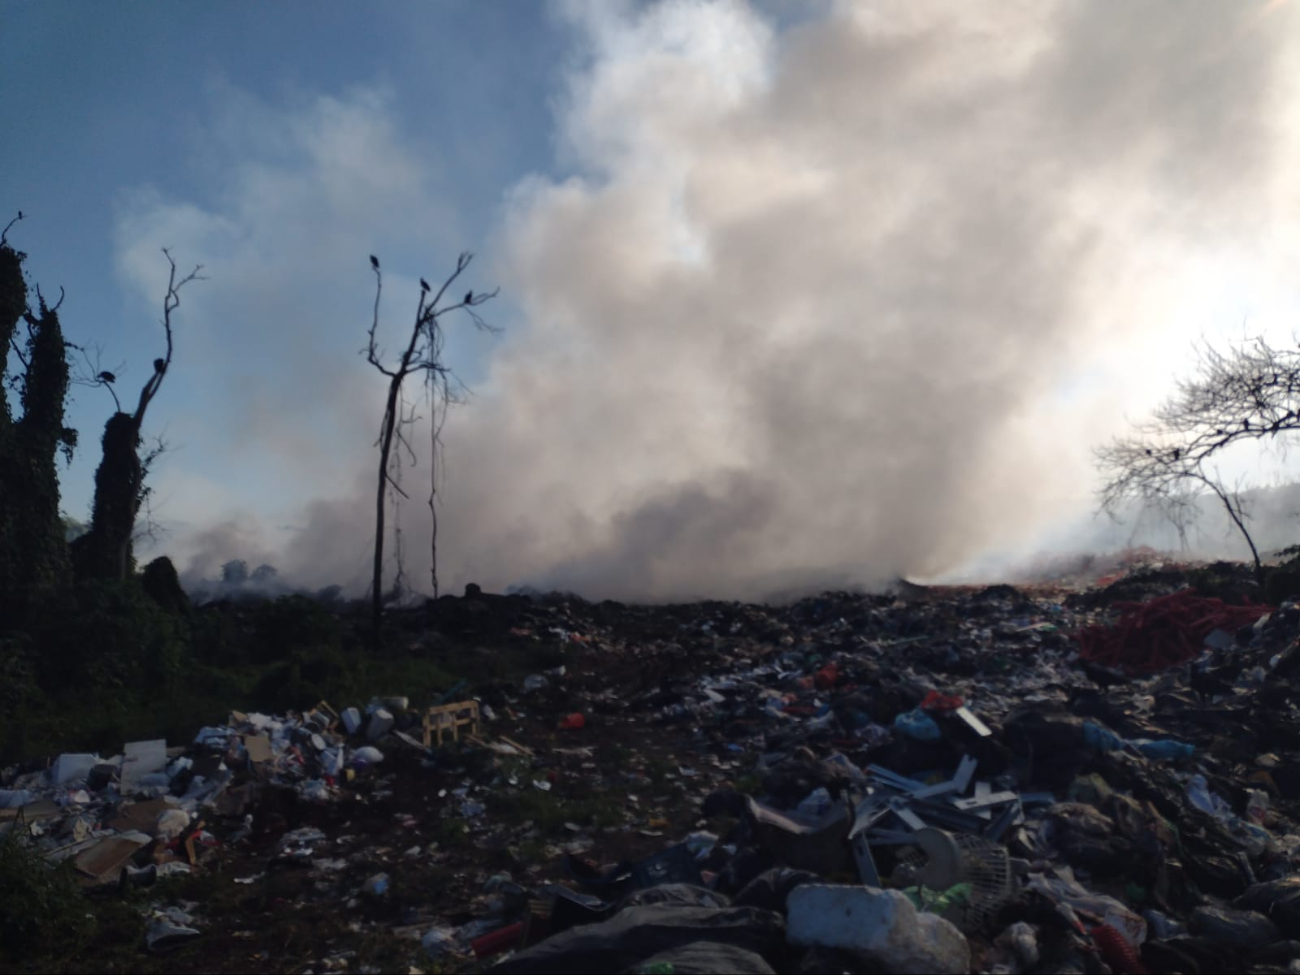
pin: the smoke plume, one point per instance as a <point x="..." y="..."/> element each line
<point x="844" y="299"/>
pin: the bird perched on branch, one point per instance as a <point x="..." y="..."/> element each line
<point x="424" y="285"/>
<point x="469" y="297"/>
<point x="159" y="365"/>
<point x="107" y="377"/>
<point x="374" y="262"/>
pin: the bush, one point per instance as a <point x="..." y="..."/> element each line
<point x="42" y="909"/>
<point x="291" y="624"/>
<point x="302" y="680"/>
<point x="20" y="697"/>
<point x="107" y="634"/>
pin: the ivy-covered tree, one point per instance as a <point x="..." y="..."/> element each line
<point x="104" y="552"/>
<point x="33" y="552"/>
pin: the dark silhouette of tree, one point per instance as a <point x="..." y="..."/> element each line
<point x="33" y="552"/>
<point x="422" y="356"/>
<point x="104" y="552"/>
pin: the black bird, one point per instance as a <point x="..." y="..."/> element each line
<point x="1148" y="451"/>
<point x="1176" y="453"/>
<point x="424" y="285"/>
<point x="159" y="365"/>
<point x="469" y="296"/>
<point x="107" y="377"/>
<point x="374" y="262"/>
<point x="1245" y="424"/>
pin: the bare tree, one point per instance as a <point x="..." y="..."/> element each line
<point x="91" y="371"/>
<point x="1250" y="392"/>
<point x="104" y="552"/>
<point x="422" y="356"/>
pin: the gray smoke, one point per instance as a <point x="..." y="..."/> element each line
<point x="815" y="304"/>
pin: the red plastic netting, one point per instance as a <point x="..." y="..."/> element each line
<point x="1163" y="632"/>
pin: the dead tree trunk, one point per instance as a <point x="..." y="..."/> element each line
<point x="387" y="434"/>
<point x="104" y="552"/>
<point x="1234" y="506"/>
<point x="423" y="355"/>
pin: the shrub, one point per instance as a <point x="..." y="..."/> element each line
<point x="293" y="623"/>
<point x="107" y="634"/>
<point x="42" y="909"/>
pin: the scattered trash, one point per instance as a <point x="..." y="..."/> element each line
<point x="919" y="725"/>
<point x="366" y="755"/>
<point x="535" y="682"/>
<point x="170" y="929"/>
<point x="923" y="780"/>
<point x="376" y="886"/>
<point x="880" y="925"/>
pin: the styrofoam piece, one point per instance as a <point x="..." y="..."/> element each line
<point x="71" y="767"/>
<point x="142" y="758"/>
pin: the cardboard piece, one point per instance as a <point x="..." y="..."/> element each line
<point x="36" y="811"/>
<point x="142" y="816"/>
<point x="105" y="860"/>
<point x="259" y="748"/>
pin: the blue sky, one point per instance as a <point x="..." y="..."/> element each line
<point x="840" y="286"/>
<point x="107" y="101"/>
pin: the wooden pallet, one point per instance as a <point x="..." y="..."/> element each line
<point x="450" y="719"/>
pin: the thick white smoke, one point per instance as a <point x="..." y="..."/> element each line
<point x="852" y="298"/>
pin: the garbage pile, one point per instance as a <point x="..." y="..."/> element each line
<point x="149" y="813"/>
<point x="980" y="797"/>
<point x="934" y="780"/>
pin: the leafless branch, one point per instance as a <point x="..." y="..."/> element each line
<point x="4" y="235"/>
<point x="423" y="354"/>
<point x="171" y="301"/>
<point x="1251" y="392"/>
<point x="93" y="374"/>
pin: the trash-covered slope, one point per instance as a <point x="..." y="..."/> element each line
<point x="932" y="780"/>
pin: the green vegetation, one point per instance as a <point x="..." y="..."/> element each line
<point x="45" y="917"/>
<point x="549" y="812"/>
<point x="33" y="554"/>
<point x="103" y="663"/>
